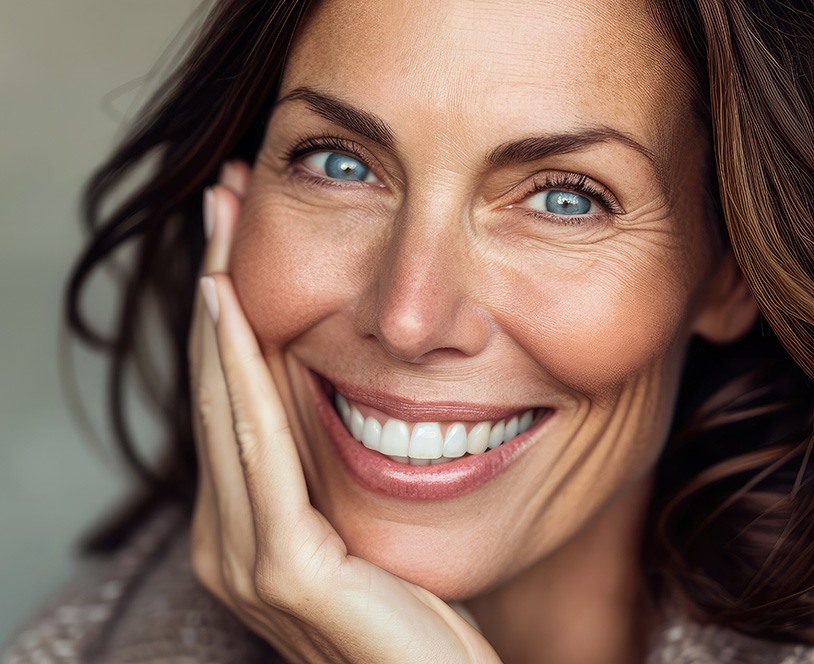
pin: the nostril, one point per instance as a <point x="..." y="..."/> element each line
<point x="442" y="355"/>
<point x="419" y="354"/>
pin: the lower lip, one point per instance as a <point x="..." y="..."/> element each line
<point x="379" y="474"/>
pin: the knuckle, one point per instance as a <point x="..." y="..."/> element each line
<point x="205" y="404"/>
<point x="204" y="566"/>
<point x="237" y="581"/>
<point x="210" y="399"/>
<point x="246" y="434"/>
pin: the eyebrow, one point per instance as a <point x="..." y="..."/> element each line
<point x="537" y="147"/>
<point x="524" y="150"/>
<point x="345" y="115"/>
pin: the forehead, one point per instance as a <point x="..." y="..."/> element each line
<point x="505" y="67"/>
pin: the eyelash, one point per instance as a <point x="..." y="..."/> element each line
<point x="579" y="184"/>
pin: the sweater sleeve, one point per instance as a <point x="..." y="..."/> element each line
<point x="685" y="642"/>
<point x="143" y="605"/>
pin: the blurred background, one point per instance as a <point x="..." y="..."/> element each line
<point x="71" y="75"/>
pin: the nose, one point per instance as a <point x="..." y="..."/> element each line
<point x="420" y="303"/>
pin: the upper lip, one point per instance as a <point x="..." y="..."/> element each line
<point x="411" y="410"/>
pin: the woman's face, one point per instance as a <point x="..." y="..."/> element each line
<point x="463" y="212"/>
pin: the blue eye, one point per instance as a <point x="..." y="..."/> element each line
<point x="566" y="203"/>
<point x="338" y="166"/>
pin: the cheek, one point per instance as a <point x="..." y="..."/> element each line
<point x="290" y="270"/>
<point x="597" y="328"/>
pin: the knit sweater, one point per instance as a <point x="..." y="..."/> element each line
<point x="143" y="605"/>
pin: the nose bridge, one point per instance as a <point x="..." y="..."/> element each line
<point x="421" y="300"/>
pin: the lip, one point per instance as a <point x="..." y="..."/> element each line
<point x="425" y="411"/>
<point x="380" y="475"/>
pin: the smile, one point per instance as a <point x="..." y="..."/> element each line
<point x="416" y="441"/>
<point x="427" y="443"/>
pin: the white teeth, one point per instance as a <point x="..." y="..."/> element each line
<point x="357" y="423"/>
<point x="343" y="407"/>
<point x="511" y="429"/>
<point x="478" y="438"/>
<point x="455" y="441"/>
<point x="372" y="434"/>
<point x="423" y="443"/>
<point x="426" y="442"/>
<point x="496" y="437"/>
<point x="395" y="438"/>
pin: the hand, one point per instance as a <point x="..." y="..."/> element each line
<point x="257" y="543"/>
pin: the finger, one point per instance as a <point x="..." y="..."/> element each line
<point x="218" y="450"/>
<point x="271" y="465"/>
<point x="235" y="175"/>
<point x="205" y="544"/>
<point x="221" y="209"/>
<point x="212" y="420"/>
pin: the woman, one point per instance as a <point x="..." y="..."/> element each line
<point x="484" y="366"/>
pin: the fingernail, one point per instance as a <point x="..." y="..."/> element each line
<point x="228" y="176"/>
<point x="209" y="212"/>
<point x="210" y="296"/>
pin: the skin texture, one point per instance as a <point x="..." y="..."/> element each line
<point x="435" y="280"/>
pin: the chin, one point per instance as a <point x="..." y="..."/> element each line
<point x="453" y="567"/>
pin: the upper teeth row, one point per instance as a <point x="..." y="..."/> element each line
<point x="424" y="440"/>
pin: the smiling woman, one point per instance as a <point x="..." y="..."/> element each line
<point x="504" y="343"/>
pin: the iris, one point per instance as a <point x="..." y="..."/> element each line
<point x="342" y="167"/>
<point x="566" y="202"/>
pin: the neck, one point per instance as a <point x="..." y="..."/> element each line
<point x="584" y="603"/>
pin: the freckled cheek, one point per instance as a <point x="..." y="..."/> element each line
<point x="290" y="269"/>
<point x="594" y="336"/>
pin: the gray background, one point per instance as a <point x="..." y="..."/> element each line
<point x="71" y="74"/>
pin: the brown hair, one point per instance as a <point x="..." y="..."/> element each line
<point x="731" y="533"/>
<point x="732" y="516"/>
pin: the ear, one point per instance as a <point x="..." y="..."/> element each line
<point x="729" y="309"/>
